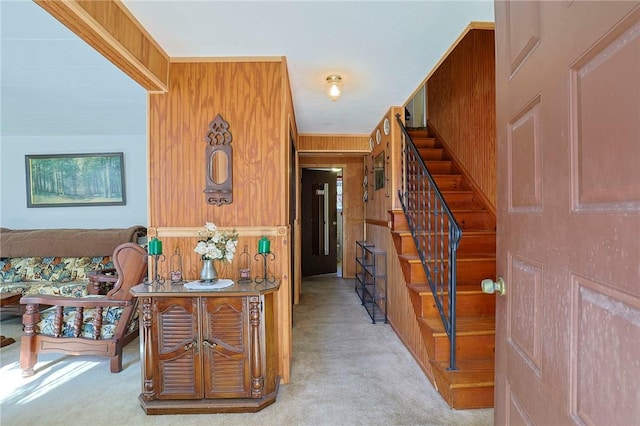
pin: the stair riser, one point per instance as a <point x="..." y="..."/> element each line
<point x="440" y="167"/>
<point x="474" y="220"/>
<point x="468" y="220"/>
<point x="416" y="301"/>
<point x="476" y="270"/>
<point x="469" y="347"/>
<point x="465" y="398"/>
<point x="469" y="243"/>
<point x="477" y="304"/>
<point x="462" y="201"/>
<point x="398" y="221"/>
<point x="413" y="273"/>
<point x="450" y="182"/>
<point x="404" y="244"/>
<point x="459" y="199"/>
<point x="446" y="182"/>
<point x="422" y="142"/>
<point x="468" y="398"/>
<point x="428" y="154"/>
<point x="477" y="243"/>
<point x="468" y="270"/>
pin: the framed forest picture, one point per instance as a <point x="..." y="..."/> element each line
<point x="72" y="180"/>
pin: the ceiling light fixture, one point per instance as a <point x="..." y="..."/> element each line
<point x="334" y="87"/>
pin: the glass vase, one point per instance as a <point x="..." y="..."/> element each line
<point x="208" y="274"/>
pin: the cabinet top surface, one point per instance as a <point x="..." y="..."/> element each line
<point x="173" y="290"/>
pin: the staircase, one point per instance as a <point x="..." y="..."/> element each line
<point x="471" y="386"/>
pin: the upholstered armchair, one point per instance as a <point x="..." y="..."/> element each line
<point x="92" y="325"/>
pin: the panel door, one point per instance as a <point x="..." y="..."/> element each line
<point x="176" y="356"/>
<point x="319" y="222"/>
<point x="568" y="114"/>
<point x="225" y="347"/>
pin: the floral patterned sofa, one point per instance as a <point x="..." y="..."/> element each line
<point x="59" y="262"/>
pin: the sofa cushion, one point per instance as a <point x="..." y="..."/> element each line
<point x="73" y="289"/>
<point x="110" y="318"/>
<point x="51" y="269"/>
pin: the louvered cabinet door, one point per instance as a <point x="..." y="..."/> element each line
<point x="226" y="347"/>
<point x="176" y="349"/>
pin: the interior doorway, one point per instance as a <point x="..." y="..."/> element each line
<point x="321" y="221"/>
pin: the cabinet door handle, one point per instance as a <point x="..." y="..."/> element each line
<point x="208" y="344"/>
<point x="190" y="345"/>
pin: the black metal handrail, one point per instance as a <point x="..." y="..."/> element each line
<point x="435" y="232"/>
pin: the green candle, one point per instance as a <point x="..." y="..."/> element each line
<point x="155" y="246"/>
<point x="264" y="245"/>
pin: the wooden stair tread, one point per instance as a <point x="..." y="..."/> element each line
<point x="423" y="289"/>
<point x="459" y="210"/>
<point x="464" y="257"/>
<point x="470" y="232"/>
<point x="470" y="373"/>
<point x="465" y="326"/>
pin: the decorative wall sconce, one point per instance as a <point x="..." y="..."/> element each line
<point x="334" y="87"/>
<point x="218" y="163"/>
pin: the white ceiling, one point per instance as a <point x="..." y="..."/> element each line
<point x="53" y="83"/>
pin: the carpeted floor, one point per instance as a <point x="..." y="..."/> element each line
<point x="345" y="371"/>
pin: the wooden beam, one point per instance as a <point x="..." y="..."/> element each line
<point x="109" y="27"/>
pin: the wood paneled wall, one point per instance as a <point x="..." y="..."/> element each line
<point x="324" y="144"/>
<point x="401" y="314"/>
<point x="251" y="96"/>
<point x="248" y="96"/>
<point x="352" y="204"/>
<point x="461" y="108"/>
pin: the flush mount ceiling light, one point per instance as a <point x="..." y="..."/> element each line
<point x="334" y="87"/>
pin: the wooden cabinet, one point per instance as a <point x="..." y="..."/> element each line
<point x="207" y="351"/>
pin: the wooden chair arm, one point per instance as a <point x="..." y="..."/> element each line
<point x="104" y="275"/>
<point x="84" y="302"/>
<point x="102" y="281"/>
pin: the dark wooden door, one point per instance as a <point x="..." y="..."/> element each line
<point x="568" y="114"/>
<point x="319" y="222"/>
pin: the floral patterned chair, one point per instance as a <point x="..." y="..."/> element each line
<point x="91" y="325"/>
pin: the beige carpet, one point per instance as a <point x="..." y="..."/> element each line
<point x="345" y="371"/>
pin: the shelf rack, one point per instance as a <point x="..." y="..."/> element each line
<point x="371" y="280"/>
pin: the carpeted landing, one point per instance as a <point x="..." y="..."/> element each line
<point x="345" y="371"/>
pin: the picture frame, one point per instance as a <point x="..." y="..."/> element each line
<point x="378" y="171"/>
<point x="75" y="180"/>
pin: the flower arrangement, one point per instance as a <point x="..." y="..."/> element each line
<point x="216" y="245"/>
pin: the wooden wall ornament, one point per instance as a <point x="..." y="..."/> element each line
<point x="219" y="163"/>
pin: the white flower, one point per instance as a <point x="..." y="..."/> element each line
<point x="216" y="245"/>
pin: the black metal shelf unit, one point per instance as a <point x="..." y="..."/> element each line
<point x="371" y="280"/>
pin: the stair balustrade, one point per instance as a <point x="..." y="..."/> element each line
<point x="435" y="233"/>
